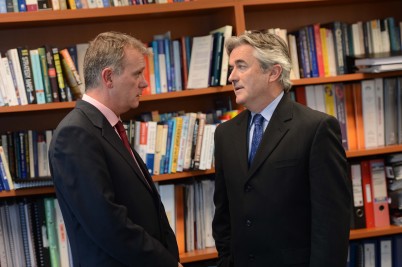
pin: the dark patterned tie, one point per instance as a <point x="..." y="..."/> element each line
<point x="122" y="132"/>
<point x="258" y="121"/>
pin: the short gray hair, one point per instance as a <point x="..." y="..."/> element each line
<point x="270" y="49"/>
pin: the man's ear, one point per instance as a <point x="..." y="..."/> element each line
<point x="276" y="71"/>
<point x="107" y="74"/>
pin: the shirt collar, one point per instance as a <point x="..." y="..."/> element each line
<point x="269" y="110"/>
<point x="107" y="112"/>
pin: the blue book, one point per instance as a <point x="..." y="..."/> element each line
<point x="169" y="62"/>
<point x="3" y="6"/>
<point x="154" y="45"/>
<point x="169" y="142"/>
<point x="22" y="7"/>
<point x="311" y="46"/>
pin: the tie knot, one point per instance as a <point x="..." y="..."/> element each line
<point x="258" y="119"/>
<point x="120" y="127"/>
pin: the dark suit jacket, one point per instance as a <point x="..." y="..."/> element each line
<point x="292" y="206"/>
<point x="112" y="217"/>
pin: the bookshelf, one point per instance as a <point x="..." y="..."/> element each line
<point x="65" y="27"/>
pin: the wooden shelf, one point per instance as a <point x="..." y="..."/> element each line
<point x="374" y="232"/>
<point x="374" y="151"/>
<point x="27" y="192"/>
<point x="199" y="255"/>
<point x="211" y="253"/>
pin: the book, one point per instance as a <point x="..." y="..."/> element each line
<point x="71" y="74"/>
<point x="227" y="33"/>
<point x="45" y="74"/>
<point x="369" y="113"/>
<point x="37" y="76"/>
<point x="358" y="216"/>
<point x="59" y="73"/>
<point x="9" y="88"/>
<point x="51" y="225"/>
<point x="23" y="54"/>
<point x="216" y="64"/>
<point x="198" y="76"/>
<point x="15" y="67"/>
<point x="52" y="74"/>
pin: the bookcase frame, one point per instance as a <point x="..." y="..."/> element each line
<point x="65" y="27"/>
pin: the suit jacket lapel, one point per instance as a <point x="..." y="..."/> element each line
<point x="274" y="133"/>
<point x="239" y="137"/>
<point x="110" y="135"/>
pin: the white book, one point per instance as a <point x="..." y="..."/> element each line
<point x="12" y="55"/>
<point x="319" y="97"/>
<point x="61" y="236"/>
<point x="3" y="253"/>
<point x="151" y="145"/>
<point x="379" y="94"/>
<point x="356" y="39"/>
<point x="158" y="149"/>
<point x="369" y="113"/>
<point x="199" y="216"/>
<point x="295" y="72"/>
<point x="227" y="33"/>
<point x="48" y="134"/>
<point x="369" y="255"/>
<point x="166" y="192"/>
<point x="16" y="235"/>
<point x="187" y="155"/>
<point x="42" y="155"/>
<point x="183" y="142"/>
<point x="7" y="78"/>
<point x="204" y="146"/>
<point x="81" y="50"/>
<point x="385" y="251"/>
<point x="209" y="209"/>
<point x="310" y="97"/>
<point x="189" y="217"/>
<point x="331" y="53"/>
<point x="210" y="152"/>
<point x="200" y="62"/>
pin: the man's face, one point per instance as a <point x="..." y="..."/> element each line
<point x="250" y="81"/>
<point x="130" y="83"/>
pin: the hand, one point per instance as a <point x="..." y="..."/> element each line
<point x="180" y="265"/>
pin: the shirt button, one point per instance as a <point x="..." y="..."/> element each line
<point x="248" y="223"/>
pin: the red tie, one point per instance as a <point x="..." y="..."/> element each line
<point x="122" y="132"/>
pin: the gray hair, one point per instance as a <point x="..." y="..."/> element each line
<point x="270" y="49"/>
<point x="107" y="50"/>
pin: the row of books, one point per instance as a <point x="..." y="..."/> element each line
<point x="179" y="143"/>
<point x="190" y="210"/>
<point x="9" y="6"/>
<point x="377" y="191"/>
<point x="188" y="62"/>
<point x="327" y="49"/>
<point x="33" y="233"/>
<point x="381" y="62"/>
<point x="369" y="112"/>
<point x="41" y="75"/>
<point x="376" y="252"/>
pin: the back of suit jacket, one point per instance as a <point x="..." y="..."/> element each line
<point x="112" y="217"/>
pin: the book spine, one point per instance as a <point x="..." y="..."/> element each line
<point x="51" y="231"/>
<point x="45" y="74"/>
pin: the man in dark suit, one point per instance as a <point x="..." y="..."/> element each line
<point x="112" y="211"/>
<point x="286" y="201"/>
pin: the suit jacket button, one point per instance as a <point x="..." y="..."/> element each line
<point x="248" y="223"/>
<point x="251" y="257"/>
<point x="248" y="188"/>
